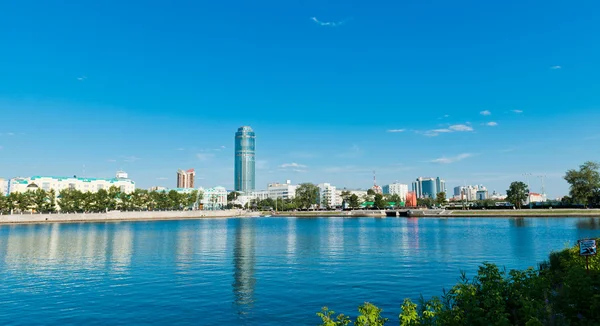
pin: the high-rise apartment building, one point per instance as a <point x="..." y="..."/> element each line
<point x="244" y="169"/>
<point x="186" y="179"/>
<point x="327" y="195"/>
<point x="428" y="187"/>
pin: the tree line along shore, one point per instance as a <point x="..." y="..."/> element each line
<point x="584" y="193"/>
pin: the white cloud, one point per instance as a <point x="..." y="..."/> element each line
<point x="131" y="159"/>
<point x="292" y="165"/>
<point x="555" y="67"/>
<point x="180" y="149"/>
<point x="491" y="124"/>
<point x="223" y="147"/>
<point x="204" y="156"/>
<point x="330" y="24"/>
<point x="485" y="112"/>
<point x="111" y="160"/>
<point x="517" y="111"/>
<point x="162" y="178"/>
<point x="82" y="78"/>
<point x="460" y="128"/>
<point x="396" y="130"/>
<point x="448" y="160"/>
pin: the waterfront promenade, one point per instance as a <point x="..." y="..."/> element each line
<point x="120" y="216"/>
<point x="183" y="215"/>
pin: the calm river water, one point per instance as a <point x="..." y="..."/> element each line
<point x="253" y="271"/>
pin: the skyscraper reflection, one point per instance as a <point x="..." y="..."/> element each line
<point x="244" y="261"/>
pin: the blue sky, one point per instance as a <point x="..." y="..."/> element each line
<point x="153" y="86"/>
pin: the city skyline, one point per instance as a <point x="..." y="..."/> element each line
<point x="398" y="88"/>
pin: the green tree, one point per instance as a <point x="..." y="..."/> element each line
<point x="370" y="315"/>
<point x="396" y="199"/>
<point x="345" y="197"/>
<point x="307" y="195"/>
<point x="353" y="201"/>
<point x="327" y="318"/>
<point x="232" y="196"/>
<point x="24" y="201"/>
<point x="379" y="202"/>
<point x="584" y="183"/>
<point x="440" y="198"/>
<point x="517" y="193"/>
<point x="425" y="202"/>
<point x="39" y="200"/>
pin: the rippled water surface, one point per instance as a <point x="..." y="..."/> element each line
<point x="252" y="271"/>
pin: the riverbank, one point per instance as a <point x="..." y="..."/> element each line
<point x="357" y="213"/>
<point x="527" y="213"/>
<point x="119" y="216"/>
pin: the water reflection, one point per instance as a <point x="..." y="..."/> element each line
<point x="589" y="224"/>
<point x="523" y="238"/>
<point x="68" y="247"/>
<point x="519" y="222"/>
<point x="244" y="262"/>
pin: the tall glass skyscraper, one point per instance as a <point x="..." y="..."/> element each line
<point x="244" y="159"/>
<point x="428" y="187"/>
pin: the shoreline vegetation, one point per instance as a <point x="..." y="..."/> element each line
<point x="561" y="291"/>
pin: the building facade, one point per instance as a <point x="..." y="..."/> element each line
<point x="426" y="187"/>
<point x="186" y="179"/>
<point x="121" y="181"/>
<point x="244" y="168"/>
<point x="327" y="195"/>
<point x="214" y="198"/>
<point x="282" y="190"/>
<point x="470" y="193"/>
<point x="399" y="189"/>
<point x="3" y="187"/>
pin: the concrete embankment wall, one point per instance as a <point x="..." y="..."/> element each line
<point x="117" y="216"/>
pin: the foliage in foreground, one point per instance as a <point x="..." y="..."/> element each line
<point x="560" y="292"/>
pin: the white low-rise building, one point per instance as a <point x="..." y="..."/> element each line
<point x="399" y="189"/>
<point x="57" y="184"/>
<point x="214" y="198"/>
<point x="535" y="198"/>
<point x="3" y="187"/>
<point x="282" y="190"/>
<point x="327" y="195"/>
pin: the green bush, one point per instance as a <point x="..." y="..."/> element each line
<point x="560" y="292"/>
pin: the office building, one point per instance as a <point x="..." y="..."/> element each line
<point x="282" y="190"/>
<point x="471" y="193"/>
<point x="482" y="194"/>
<point x="396" y="189"/>
<point x="186" y="179"/>
<point x="57" y="184"/>
<point x="327" y="195"/>
<point x="440" y="186"/>
<point x="3" y="187"/>
<point x="428" y="187"/>
<point x="244" y="168"/>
